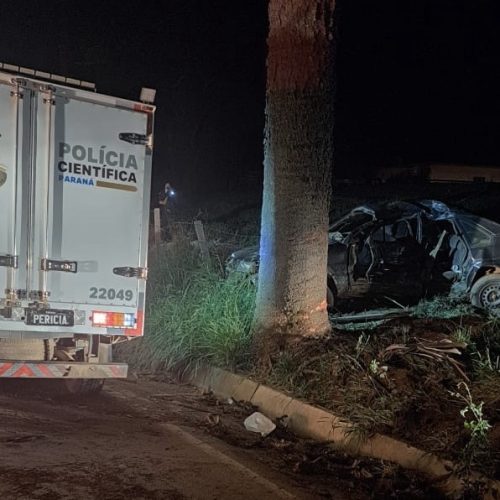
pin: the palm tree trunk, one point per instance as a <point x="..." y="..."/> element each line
<point x="298" y="152"/>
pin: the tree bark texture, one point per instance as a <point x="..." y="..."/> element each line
<point x="298" y="153"/>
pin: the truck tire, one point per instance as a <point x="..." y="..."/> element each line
<point x="26" y="349"/>
<point x="82" y="386"/>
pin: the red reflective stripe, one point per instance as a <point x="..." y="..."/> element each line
<point x="24" y="371"/>
<point x="45" y="370"/>
<point x="4" y="367"/>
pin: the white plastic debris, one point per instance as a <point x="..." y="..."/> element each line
<point x="260" y="424"/>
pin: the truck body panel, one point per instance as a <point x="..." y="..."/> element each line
<point x="75" y="174"/>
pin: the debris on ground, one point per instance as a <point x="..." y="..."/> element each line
<point x="259" y="423"/>
<point x="370" y="315"/>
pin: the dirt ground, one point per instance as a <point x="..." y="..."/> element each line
<point x="156" y="439"/>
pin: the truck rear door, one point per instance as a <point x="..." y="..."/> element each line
<point x="12" y="111"/>
<point x="91" y="204"/>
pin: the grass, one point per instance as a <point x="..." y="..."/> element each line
<point x="484" y="351"/>
<point x="442" y="307"/>
<point x="335" y="374"/>
<point x="477" y="447"/>
<point x="462" y="334"/>
<point x="194" y="314"/>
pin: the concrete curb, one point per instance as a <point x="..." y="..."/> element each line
<point x="315" y="423"/>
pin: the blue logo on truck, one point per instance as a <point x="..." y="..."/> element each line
<point x="76" y="180"/>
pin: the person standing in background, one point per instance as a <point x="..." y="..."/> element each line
<point x="165" y="203"/>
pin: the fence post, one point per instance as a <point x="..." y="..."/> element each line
<point x="202" y="240"/>
<point x="157" y="226"/>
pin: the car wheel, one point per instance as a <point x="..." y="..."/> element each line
<point x="485" y="292"/>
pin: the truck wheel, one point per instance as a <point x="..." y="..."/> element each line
<point x="27" y="349"/>
<point x="82" y="386"/>
<point x="485" y="293"/>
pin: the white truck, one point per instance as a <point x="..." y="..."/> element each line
<point x="75" y="172"/>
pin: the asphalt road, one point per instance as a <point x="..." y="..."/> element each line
<point x="159" y="440"/>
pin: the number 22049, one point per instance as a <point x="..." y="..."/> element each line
<point x="111" y="294"/>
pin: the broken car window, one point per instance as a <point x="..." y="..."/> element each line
<point x="383" y="234"/>
<point x="392" y="232"/>
<point x="353" y="221"/>
<point x="401" y="230"/>
<point x="476" y="235"/>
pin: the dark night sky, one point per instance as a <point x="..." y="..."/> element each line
<point x="417" y="80"/>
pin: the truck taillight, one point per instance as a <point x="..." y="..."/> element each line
<point x="113" y="319"/>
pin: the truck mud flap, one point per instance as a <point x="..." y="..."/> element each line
<point x="54" y="369"/>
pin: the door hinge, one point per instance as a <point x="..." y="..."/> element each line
<point x="49" y="90"/>
<point x="12" y="294"/>
<point x="67" y="266"/>
<point x="8" y="261"/>
<point x="20" y="84"/>
<point x="133" y="138"/>
<point x="39" y="295"/>
<point x="131" y="272"/>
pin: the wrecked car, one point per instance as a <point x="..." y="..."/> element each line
<point x="405" y="251"/>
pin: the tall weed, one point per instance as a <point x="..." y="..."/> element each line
<point x="193" y="314"/>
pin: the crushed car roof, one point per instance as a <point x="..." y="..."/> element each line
<point x="433" y="209"/>
<point x="393" y="210"/>
<point x="388" y="210"/>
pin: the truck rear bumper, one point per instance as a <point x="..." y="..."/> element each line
<point x="58" y="369"/>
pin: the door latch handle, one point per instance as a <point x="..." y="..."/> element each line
<point x="67" y="266"/>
